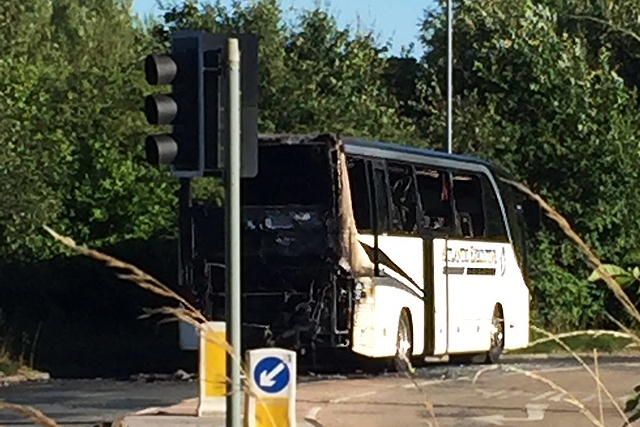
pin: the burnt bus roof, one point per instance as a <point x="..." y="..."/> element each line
<point x="387" y="150"/>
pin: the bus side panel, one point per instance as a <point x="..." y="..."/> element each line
<point x="469" y="294"/>
<point x="440" y="305"/>
<point x="476" y="284"/>
<point x="515" y="304"/>
<point x="401" y="286"/>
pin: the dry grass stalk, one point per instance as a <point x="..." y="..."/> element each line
<point x="189" y="314"/>
<point x="597" y="371"/>
<point x="427" y="403"/>
<point x="569" y="397"/>
<point x="594" y="262"/>
<point x="586" y="368"/>
<point x="194" y="317"/>
<point x="31" y="412"/>
<point x="592" y="259"/>
<point x="593" y="332"/>
<point x="626" y="330"/>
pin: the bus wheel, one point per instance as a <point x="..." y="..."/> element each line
<point x="497" y="336"/>
<point x="404" y="343"/>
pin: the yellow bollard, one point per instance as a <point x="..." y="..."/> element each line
<point x="212" y="370"/>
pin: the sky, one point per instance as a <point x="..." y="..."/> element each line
<point x="394" y="20"/>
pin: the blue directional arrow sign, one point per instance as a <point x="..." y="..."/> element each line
<point x="271" y="374"/>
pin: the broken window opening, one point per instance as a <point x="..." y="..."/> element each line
<point x="404" y="198"/>
<point x="382" y="198"/>
<point x="434" y="190"/>
<point x="290" y="175"/>
<point x="495" y="226"/>
<point x="467" y="193"/>
<point x="360" y="196"/>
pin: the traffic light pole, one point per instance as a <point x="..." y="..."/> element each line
<point x="232" y="246"/>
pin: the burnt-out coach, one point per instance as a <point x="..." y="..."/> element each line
<point x="387" y="250"/>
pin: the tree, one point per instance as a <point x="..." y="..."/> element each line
<point x="74" y="127"/>
<point x="539" y="99"/>
<point x="314" y="76"/>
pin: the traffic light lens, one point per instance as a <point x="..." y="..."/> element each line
<point x="160" y="149"/>
<point x="160" y="69"/>
<point x="160" y="109"/>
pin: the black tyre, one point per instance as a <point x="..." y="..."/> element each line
<point x="404" y="344"/>
<point x="497" y="336"/>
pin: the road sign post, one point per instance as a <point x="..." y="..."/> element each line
<point x="271" y="397"/>
<point x="212" y="376"/>
<point x="232" y="239"/>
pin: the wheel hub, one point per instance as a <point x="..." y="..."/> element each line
<point x="404" y="344"/>
<point x="497" y="334"/>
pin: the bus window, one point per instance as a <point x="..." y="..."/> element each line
<point x="494" y="219"/>
<point x="382" y="197"/>
<point x="477" y="207"/>
<point x="467" y="194"/>
<point x="433" y="188"/>
<point x="404" y="198"/>
<point x="360" y="193"/>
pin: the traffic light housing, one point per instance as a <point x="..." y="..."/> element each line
<point x="196" y="107"/>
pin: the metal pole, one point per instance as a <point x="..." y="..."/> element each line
<point x="232" y="246"/>
<point x="449" y="76"/>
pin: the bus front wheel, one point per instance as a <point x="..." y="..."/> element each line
<point x="404" y="343"/>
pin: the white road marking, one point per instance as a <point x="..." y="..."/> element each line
<point x="149" y="411"/>
<point x="353" y="396"/>
<point x="543" y="395"/>
<point x="512" y="393"/>
<point x="534" y="413"/>
<point x="558" y="397"/>
<point x="313" y="413"/>
<point x="489" y="394"/>
<point x="625" y="397"/>
<point x="578" y="368"/>
<point x="423" y="383"/>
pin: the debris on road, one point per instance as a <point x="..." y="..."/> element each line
<point x="23" y="375"/>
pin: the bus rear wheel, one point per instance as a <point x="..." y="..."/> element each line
<point x="497" y="336"/>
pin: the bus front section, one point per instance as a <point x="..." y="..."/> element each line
<point x="296" y="290"/>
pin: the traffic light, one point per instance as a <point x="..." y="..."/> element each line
<point x="181" y="148"/>
<point x="195" y="108"/>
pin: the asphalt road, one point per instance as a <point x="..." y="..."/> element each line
<point x="493" y="398"/>
<point x="498" y="397"/>
<point x="89" y="402"/>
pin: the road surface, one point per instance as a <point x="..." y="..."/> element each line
<point x="497" y="397"/>
<point x="89" y="402"/>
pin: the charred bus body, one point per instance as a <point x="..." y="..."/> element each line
<point x="296" y="288"/>
<point x="338" y="250"/>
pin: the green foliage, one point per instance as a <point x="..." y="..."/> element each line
<point x="545" y="88"/>
<point x="547" y="100"/>
<point x="626" y="277"/>
<point x="314" y="76"/>
<point x="632" y="407"/>
<point x="562" y="301"/>
<point x="73" y="128"/>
